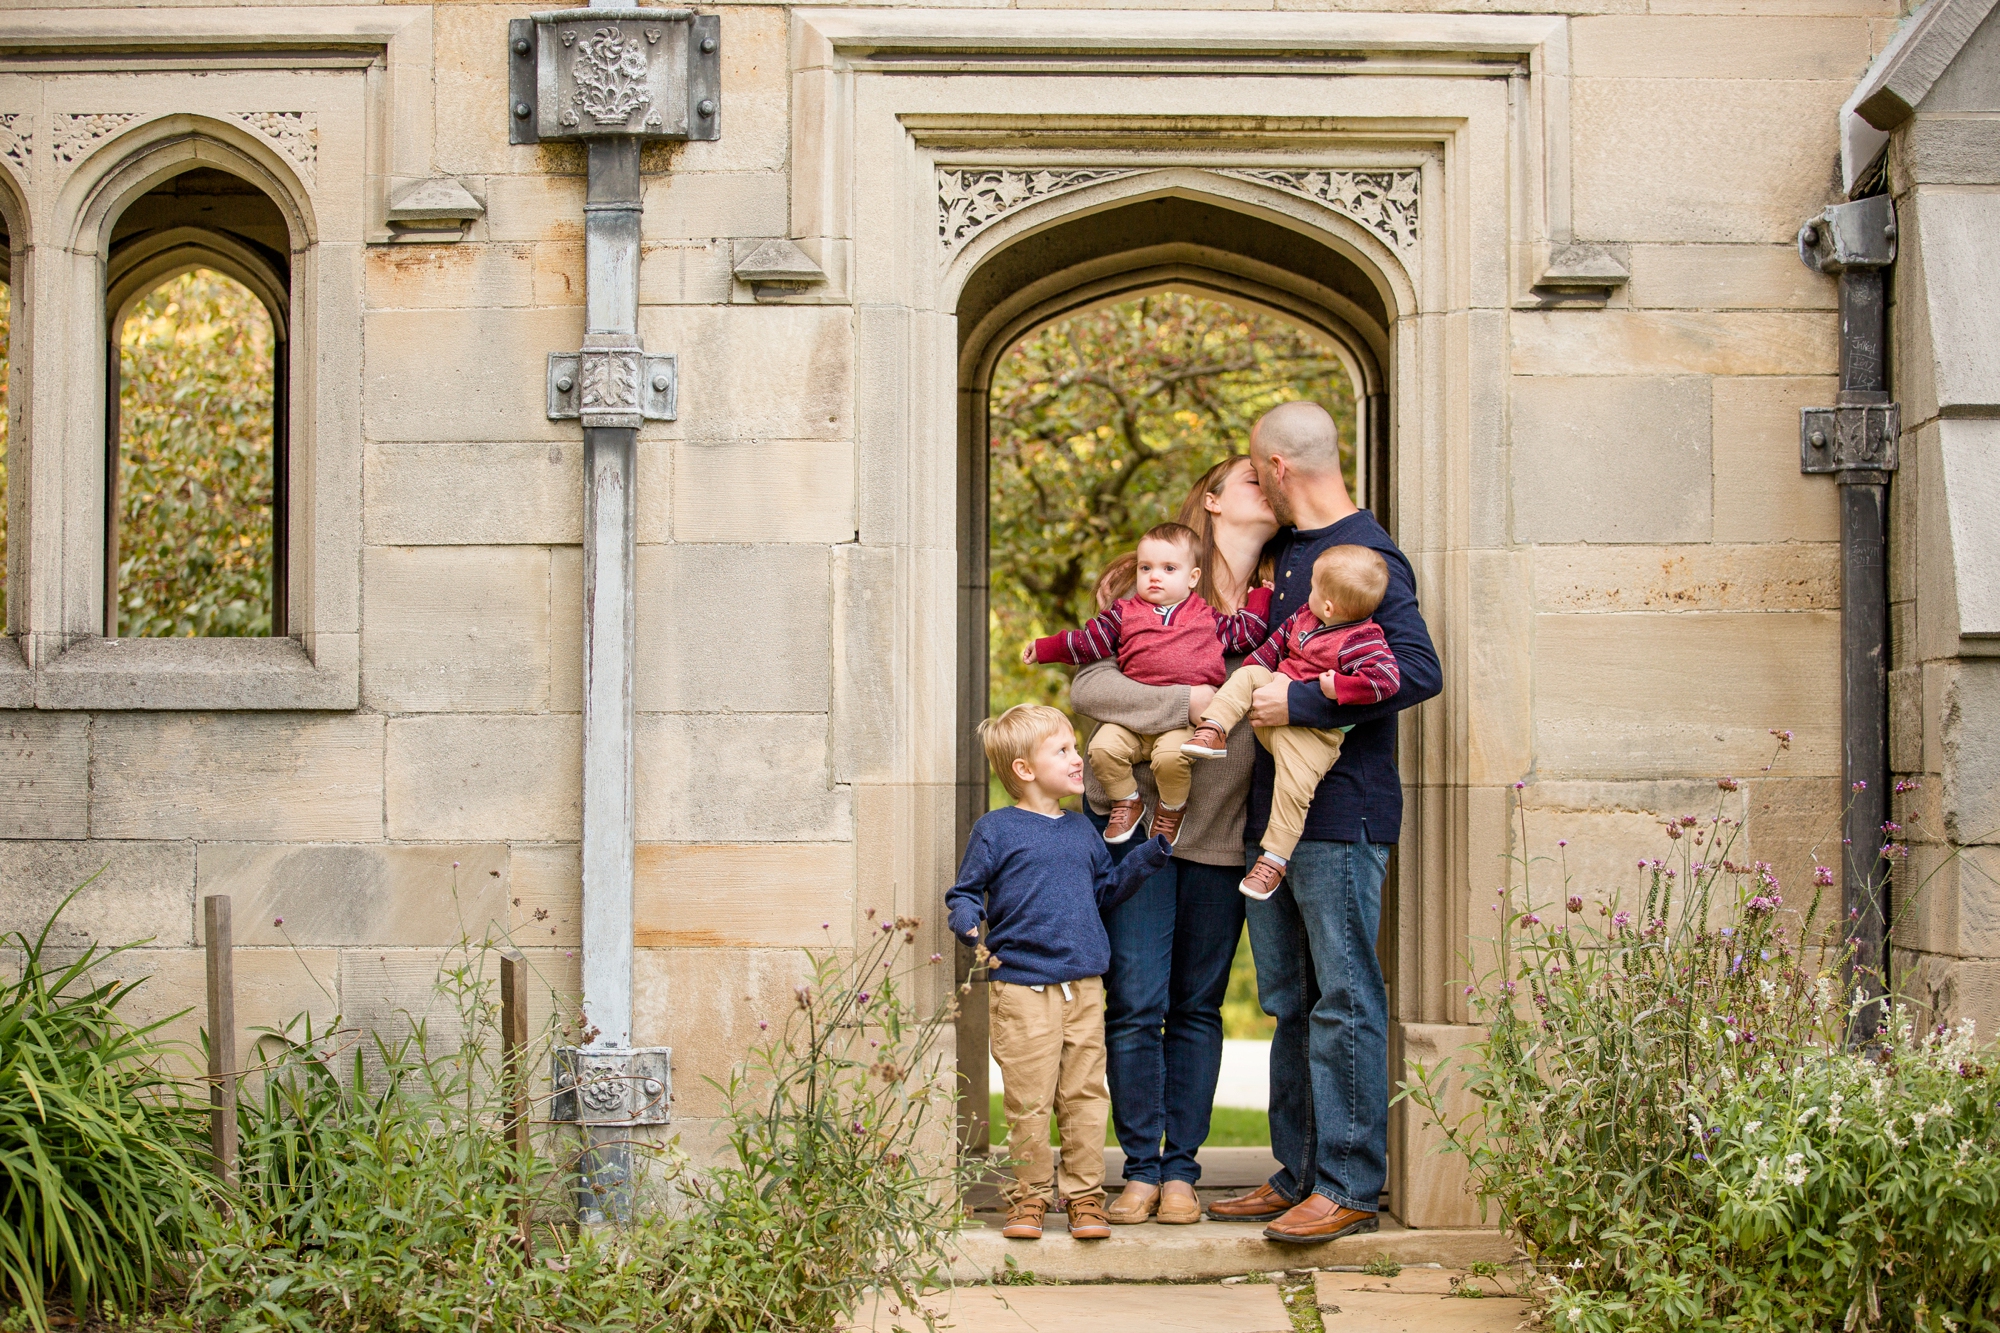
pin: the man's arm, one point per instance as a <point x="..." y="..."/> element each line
<point x="1116" y="883"/>
<point x="965" y="901"/>
<point x="1409" y="639"/>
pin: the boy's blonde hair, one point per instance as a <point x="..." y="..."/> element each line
<point x="1353" y="578"/>
<point x="1015" y="734"/>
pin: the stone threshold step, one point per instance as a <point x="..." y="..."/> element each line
<point x="1208" y="1250"/>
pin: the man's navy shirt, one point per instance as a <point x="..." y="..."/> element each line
<point x="1361" y="797"/>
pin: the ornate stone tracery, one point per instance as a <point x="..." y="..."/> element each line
<point x="17" y="140"/>
<point x="74" y="133"/>
<point x="296" y="134"/>
<point x="1386" y="202"/>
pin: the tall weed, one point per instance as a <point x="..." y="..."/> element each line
<point x="1671" y="1123"/>
<point x="101" y="1155"/>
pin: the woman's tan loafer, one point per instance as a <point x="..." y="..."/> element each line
<point x="1178" y="1206"/>
<point x="1135" y="1205"/>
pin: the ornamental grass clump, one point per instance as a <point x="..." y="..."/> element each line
<point x="101" y="1154"/>
<point x="378" y="1190"/>
<point x="1672" y="1124"/>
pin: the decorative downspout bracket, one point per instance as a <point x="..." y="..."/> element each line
<point x="612" y="1088"/>
<point x="612" y="388"/>
<point x="591" y="73"/>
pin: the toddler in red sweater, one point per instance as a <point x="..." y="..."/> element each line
<point x="1330" y="640"/>
<point x="1165" y="635"/>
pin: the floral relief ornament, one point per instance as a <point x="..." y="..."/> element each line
<point x="296" y="133"/>
<point x="17" y="139"/>
<point x="74" y="133"/>
<point x="1385" y="202"/>
<point x="971" y="200"/>
<point x="612" y="73"/>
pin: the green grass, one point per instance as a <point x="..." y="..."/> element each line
<point x="1228" y="1127"/>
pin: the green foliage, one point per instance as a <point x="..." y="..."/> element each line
<point x="1243" y="1017"/>
<point x="99" y="1154"/>
<point x="1100" y="424"/>
<point x="1228" y="1126"/>
<point x="381" y="1194"/>
<point x="195" y="461"/>
<point x="1673" y="1127"/>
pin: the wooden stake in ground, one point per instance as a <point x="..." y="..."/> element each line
<point x="221" y="1038"/>
<point x="513" y="1071"/>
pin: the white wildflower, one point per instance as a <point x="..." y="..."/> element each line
<point x="1795" y="1170"/>
<point x="1942" y="1111"/>
<point x="1763" y="1171"/>
<point x="1964" y="1152"/>
<point x="1806" y="1115"/>
<point x="1918" y="1120"/>
<point x="1833" y="1117"/>
<point x="1768" y="987"/>
<point x="1889" y="1133"/>
<point x="1752" y="1128"/>
<point x="1823" y="993"/>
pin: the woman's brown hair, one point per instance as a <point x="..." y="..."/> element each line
<point x="1120" y="578"/>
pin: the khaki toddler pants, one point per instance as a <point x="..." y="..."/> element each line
<point x="1113" y="751"/>
<point x="1302" y="756"/>
<point x="1051" y="1056"/>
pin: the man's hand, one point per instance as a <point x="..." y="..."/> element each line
<point x="1271" y="706"/>
<point x="1199" y="698"/>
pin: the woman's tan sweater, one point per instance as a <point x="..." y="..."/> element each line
<point x="1212" y="834"/>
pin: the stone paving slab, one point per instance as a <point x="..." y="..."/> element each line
<point x="1206" y="1250"/>
<point x="1247" y="1308"/>
<point x="1354" y="1303"/>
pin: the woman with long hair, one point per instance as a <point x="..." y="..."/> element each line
<point x="1173" y="941"/>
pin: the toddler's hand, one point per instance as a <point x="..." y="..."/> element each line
<point x="1199" y="698"/>
<point x="1028" y="653"/>
<point x="1327" y="686"/>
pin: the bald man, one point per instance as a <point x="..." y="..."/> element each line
<point x="1314" y="938"/>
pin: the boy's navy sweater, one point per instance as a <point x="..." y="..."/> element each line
<point x="1361" y="798"/>
<point x="1041" y="885"/>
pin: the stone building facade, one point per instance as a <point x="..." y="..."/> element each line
<point x="1555" y="247"/>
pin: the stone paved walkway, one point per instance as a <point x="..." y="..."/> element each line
<point x="1417" y="1301"/>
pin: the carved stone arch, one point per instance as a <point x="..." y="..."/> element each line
<point x="1074" y="194"/>
<point x="137" y="159"/>
<point x="14" y="214"/>
<point x="136" y="270"/>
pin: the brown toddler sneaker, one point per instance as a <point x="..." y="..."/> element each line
<point x="1208" y="742"/>
<point x="1263" y="879"/>
<point x="1087" y="1220"/>
<point x="1024" y="1219"/>
<point x="1167" y="822"/>
<point x="1126" y="817"/>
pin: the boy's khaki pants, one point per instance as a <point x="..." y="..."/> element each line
<point x="1302" y="756"/>
<point x="1113" y="751"/>
<point x="1051" y="1056"/>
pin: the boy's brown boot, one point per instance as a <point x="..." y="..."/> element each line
<point x="1263" y="879"/>
<point x="1208" y="742"/>
<point x="1087" y="1220"/>
<point x="1024" y="1219"/>
<point x="1126" y="816"/>
<point x="1167" y="822"/>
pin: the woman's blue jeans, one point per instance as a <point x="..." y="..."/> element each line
<point x="1171" y="946"/>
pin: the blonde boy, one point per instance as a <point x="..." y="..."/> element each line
<point x="1040" y="878"/>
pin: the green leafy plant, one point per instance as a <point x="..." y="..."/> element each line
<point x="100" y="1154"/>
<point x="1673" y="1126"/>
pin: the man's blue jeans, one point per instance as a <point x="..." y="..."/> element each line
<point x="1317" y="974"/>
<point x="1171" y="946"/>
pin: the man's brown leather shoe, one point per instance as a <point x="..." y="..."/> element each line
<point x="1024" y="1219"/>
<point x="1263" y="879"/>
<point x="1178" y="1206"/>
<point x="1317" y="1220"/>
<point x="1126" y="816"/>
<point x="1087" y="1220"/>
<point x="1259" y="1205"/>
<point x="1138" y="1203"/>
<point x="1167" y="823"/>
<point x="1208" y="742"/>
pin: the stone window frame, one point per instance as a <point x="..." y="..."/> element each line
<point x="55" y="655"/>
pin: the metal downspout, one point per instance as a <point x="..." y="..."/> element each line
<point x="1856" y="442"/>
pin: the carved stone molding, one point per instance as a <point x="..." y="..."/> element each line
<point x="972" y="199"/>
<point x="1385" y="202"/>
<point x="74" y="134"/>
<point x="294" y="133"/>
<point x="17" y="140"/>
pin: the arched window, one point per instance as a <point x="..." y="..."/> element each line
<point x="195" y="505"/>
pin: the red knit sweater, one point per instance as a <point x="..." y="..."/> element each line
<point x="1164" y="645"/>
<point x="1365" y="670"/>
